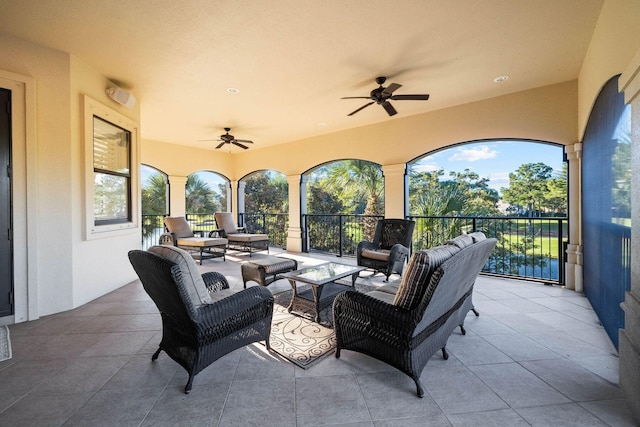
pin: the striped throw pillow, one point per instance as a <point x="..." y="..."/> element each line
<point x="416" y="279"/>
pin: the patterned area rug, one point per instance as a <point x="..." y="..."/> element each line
<point x="5" y="343"/>
<point x="298" y="338"/>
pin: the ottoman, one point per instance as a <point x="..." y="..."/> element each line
<point x="266" y="270"/>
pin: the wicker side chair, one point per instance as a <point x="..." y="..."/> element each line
<point x="202" y="319"/>
<point x="390" y="247"/>
<point x="407" y="337"/>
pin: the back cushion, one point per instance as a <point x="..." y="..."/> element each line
<point x="178" y="226"/>
<point x="225" y="221"/>
<point x="478" y="236"/>
<point x="462" y="241"/>
<point x="196" y="289"/>
<point x="415" y="280"/>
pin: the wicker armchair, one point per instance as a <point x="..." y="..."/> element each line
<point x="202" y="319"/>
<point x="390" y="247"/>
<point x="406" y="337"/>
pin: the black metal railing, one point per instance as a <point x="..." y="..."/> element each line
<point x="336" y="233"/>
<point x="273" y="224"/>
<point x="528" y="248"/>
<point x="152" y="228"/>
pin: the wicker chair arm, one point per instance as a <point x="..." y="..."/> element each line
<point x="398" y="252"/>
<point x="215" y="281"/>
<point x="373" y="314"/>
<point x="234" y="312"/>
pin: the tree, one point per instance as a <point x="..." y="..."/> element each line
<point x="266" y="192"/>
<point x="358" y="181"/>
<point x="556" y="197"/>
<point x="200" y="198"/>
<point x="528" y="186"/>
<point x="154" y="195"/>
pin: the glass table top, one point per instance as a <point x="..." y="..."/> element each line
<point x="323" y="273"/>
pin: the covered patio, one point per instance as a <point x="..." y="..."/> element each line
<point x="535" y="355"/>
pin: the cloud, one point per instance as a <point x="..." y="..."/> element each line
<point x="473" y="154"/>
<point x="425" y="167"/>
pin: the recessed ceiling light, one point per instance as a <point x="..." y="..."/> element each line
<point x="501" y="79"/>
<point x="322" y="124"/>
<point x="233" y="90"/>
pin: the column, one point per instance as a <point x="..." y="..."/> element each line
<point x="297" y="186"/>
<point x="228" y="208"/>
<point x="177" y="197"/>
<point x="629" y="337"/>
<point x="394" y="191"/>
<point x="573" y="266"/>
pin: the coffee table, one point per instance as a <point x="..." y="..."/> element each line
<point x="323" y="288"/>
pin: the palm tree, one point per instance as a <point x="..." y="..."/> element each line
<point x="200" y="197"/>
<point x="361" y="182"/>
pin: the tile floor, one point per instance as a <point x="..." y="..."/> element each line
<point x="535" y="356"/>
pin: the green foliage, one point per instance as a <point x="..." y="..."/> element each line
<point x="154" y="195"/>
<point x="529" y="188"/>
<point x="320" y="201"/>
<point x="200" y="198"/>
<point x="621" y="171"/>
<point x="266" y="192"/>
<point x="464" y="194"/>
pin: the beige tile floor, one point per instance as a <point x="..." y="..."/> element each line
<point x="535" y="356"/>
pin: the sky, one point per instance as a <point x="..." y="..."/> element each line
<point x="492" y="159"/>
<point x="489" y="159"/>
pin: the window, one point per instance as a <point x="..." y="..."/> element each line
<point x="111" y="151"/>
<point x="111" y="173"/>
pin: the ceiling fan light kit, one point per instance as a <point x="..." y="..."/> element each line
<point x="381" y="96"/>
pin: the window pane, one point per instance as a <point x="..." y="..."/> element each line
<point x="110" y="147"/>
<point x="111" y="201"/>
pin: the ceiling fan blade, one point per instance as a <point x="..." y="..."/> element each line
<point x="356" y="97"/>
<point x="235" y="142"/>
<point x="246" y="141"/>
<point x="390" y="110"/>
<point x="361" y="108"/>
<point x="410" y="97"/>
<point x="208" y="140"/>
<point x="221" y="144"/>
<point x="391" y="88"/>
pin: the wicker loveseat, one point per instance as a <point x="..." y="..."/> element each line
<point x="202" y="319"/>
<point x="405" y="323"/>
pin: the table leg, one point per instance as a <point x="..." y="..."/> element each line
<point x="294" y="295"/>
<point x="317" y="290"/>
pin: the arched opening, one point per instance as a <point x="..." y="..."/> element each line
<point x="155" y="203"/>
<point x="513" y="190"/>
<point x="344" y="200"/>
<point x="206" y="192"/>
<point x="606" y="207"/>
<point x="265" y="205"/>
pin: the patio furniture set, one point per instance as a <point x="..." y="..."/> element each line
<point x="402" y="323"/>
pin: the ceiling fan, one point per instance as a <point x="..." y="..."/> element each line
<point x="382" y="95"/>
<point x="230" y="139"/>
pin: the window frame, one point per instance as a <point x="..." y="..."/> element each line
<point x="106" y="228"/>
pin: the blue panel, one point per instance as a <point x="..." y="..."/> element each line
<point x="606" y="207"/>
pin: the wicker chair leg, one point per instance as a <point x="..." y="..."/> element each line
<point x="337" y="352"/>
<point x="475" y="312"/>
<point x="187" y="388"/>
<point x="419" y="389"/>
<point x="156" y="354"/>
<point x="445" y="354"/>
<point x="462" y="330"/>
<point x="267" y="344"/>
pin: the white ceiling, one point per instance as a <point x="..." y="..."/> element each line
<point x="293" y="60"/>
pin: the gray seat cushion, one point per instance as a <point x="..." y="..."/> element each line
<point x="196" y="289"/>
<point x="379" y="254"/>
<point x="245" y="237"/>
<point x="201" y="242"/>
<point x="179" y="226"/>
<point x="226" y="222"/>
<point x="462" y="241"/>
